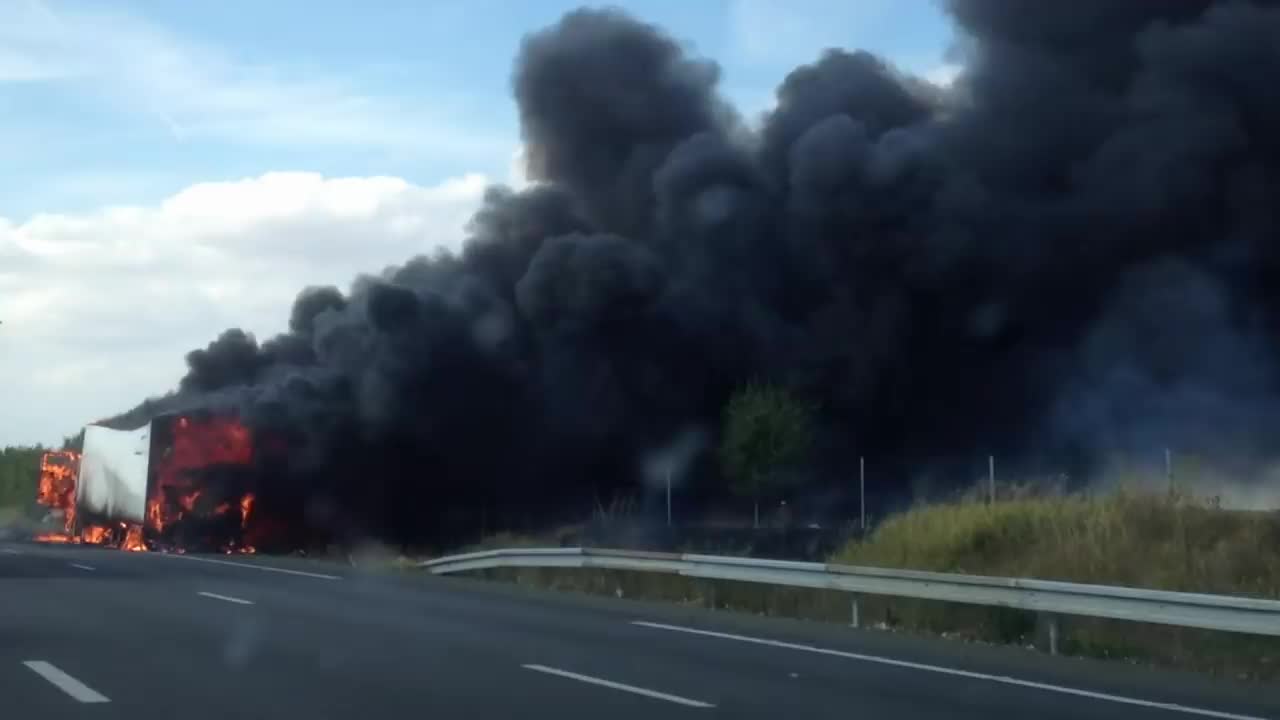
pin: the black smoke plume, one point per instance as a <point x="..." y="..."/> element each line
<point x="1069" y="253"/>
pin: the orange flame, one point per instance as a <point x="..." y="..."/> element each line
<point x="56" y="489"/>
<point x="246" y="507"/>
<point x="197" y="444"/>
<point x="188" y="501"/>
<point x="154" y="517"/>
<point x="57" y="485"/>
<point x="133" y="540"/>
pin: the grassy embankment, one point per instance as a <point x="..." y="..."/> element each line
<point x="1126" y="537"/>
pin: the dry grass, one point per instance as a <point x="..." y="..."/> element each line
<point x="1169" y="541"/>
<point x="1166" y="541"/>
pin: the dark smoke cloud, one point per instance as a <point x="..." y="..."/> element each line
<point x="603" y="99"/>
<point x="1069" y="254"/>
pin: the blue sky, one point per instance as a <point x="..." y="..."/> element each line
<point x="175" y="168"/>
<point x="179" y="92"/>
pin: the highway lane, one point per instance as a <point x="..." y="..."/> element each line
<point x="137" y="630"/>
<point x="215" y="636"/>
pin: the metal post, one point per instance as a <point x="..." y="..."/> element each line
<point x="668" y="496"/>
<point x="862" y="498"/>
<point x="991" y="477"/>
<point x="1053" y="634"/>
<point x="1168" y="468"/>
<point x="853" y="606"/>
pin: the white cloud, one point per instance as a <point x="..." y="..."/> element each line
<point x="195" y="91"/>
<point x="944" y="75"/>
<point x="517" y="169"/>
<point x="98" y="309"/>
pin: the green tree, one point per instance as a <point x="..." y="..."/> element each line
<point x="766" y="430"/>
<point x="74" y="442"/>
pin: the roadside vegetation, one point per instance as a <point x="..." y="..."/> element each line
<point x="19" y="475"/>
<point x="1168" y="540"/>
<point x="1162" y="540"/>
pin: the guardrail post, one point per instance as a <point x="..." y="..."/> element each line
<point x="853" y="608"/>
<point x="1050" y="623"/>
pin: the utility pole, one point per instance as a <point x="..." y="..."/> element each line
<point x="862" y="492"/>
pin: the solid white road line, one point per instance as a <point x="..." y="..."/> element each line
<point x="618" y="686"/>
<point x="80" y="567"/>
<point x="264" y="568"/>
<point x="228" y="598"/>
<point x="66" y="683"/>
<point x="1003" y="679"/>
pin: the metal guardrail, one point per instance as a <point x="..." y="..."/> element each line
<point x="1051" y="598"/>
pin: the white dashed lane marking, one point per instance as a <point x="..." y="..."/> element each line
<point x="65" y="682"/>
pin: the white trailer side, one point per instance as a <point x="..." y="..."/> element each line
<point x="112" y="485"/>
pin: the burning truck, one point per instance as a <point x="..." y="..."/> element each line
<point x="180" y="482"/>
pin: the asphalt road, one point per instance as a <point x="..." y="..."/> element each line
<point x="86" y="632"/>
